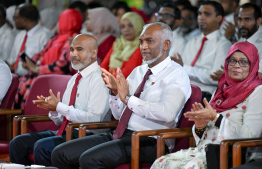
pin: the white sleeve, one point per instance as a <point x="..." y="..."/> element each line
<point x="5" y="79"/>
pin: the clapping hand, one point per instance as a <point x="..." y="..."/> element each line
<point x="110" y="81"/>
<point x="48" y="103"/>
<point x="122" y="85"/>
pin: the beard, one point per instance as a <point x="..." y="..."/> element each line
<point x="149" y="62"/>
<point x="249" y="33"/>
<point x="80" y="65"/>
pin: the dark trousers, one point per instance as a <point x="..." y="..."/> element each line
<point x="40" y="143"/>
<point x="101" y="151"/>
<point x="251" y="165"/>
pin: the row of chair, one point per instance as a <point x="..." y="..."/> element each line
<point x="34" y="119"/>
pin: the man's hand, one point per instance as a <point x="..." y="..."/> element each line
<point x="177" y="58"/>
<point x="217" y="74"/>
<point x="229" y="30"/>
<point x="48" y="103"/>
<point x="31" y="66"/>
<point x="109" y="80"/>
<point x="122" y="85"/>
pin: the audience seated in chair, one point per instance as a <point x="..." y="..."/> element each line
<point x="54" y="59"/>
<point x="166" y="89"/>
<point x="83" y="102"/>
<point x="233" y="112"/>
<point x="125" y="52"/>
<point x="104" y="26"/>
<point x="30" y="40"/>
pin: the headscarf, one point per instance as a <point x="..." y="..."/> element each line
<point x="122" y="48"/>
<point x="103" y="23"/>
<point x="230" y="92"/>
<point x="49" y="17"/>
<point x="69" y="23"/>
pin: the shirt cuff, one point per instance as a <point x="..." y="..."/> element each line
<point x="134" y="102"/>
<point x="61" y="108"/>
<point x="53" y="114"/>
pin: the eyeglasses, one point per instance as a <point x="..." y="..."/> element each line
<point x="164" y="15"/>
<point x="242" y="63"/>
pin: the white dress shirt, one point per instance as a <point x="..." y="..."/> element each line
<point x="241" y="122"/>
<point x="91" y="103"/>
<point x="37" y="38"/>
<point x="5" y="79"/>
<point x="7" y="37"/>
<point x="160" y="103"/>
<point x="256" y="39"/>
<point x="180" y="41"/>
<point x="211" y="58"/>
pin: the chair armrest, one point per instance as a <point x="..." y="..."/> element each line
<point x="135" y="142"/>
<point x="33" y="118"/>
<point x="69" y="130"/>
<point x="10" y="112"/>
<point x="224" y="150"/>
<point x="237" y="149"/>
<point x="96" y="125"/>
<point x="172" y="134"/>
<point x="16" y="124"/>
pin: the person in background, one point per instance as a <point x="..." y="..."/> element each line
<point x="125" y="52"/>
<point x="119" y="8"/>
<point x="104" y="27"/>
<point x="30" y="40"/>
<point x="233" y="113"/>
<point x="205" y="53"/>
<point x="5" y="79"/>
<point x="7" y="36"/>
<point x="181" y="4"/>
<point x="54" y="58"/>
<point x="85" y="100"/>
<point x="187" y="29"/>
<point x="49" y="18"/>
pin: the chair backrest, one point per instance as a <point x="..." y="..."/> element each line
<point x="196" y="95"/>
<point x="41" y="86"/>
<point x="8" y="100"/>
<point x="7" y="103"/>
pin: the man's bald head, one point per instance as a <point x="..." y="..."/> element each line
<point x="83" y="51"/>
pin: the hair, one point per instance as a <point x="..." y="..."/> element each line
<point x="177" y="12"/>
<point x="236" y="1"/>
<point x="92" y="5"/>
<point x="29" y="12"/>
<point x="218" y="7"/>
<point x="2" y="11"/>
<point x="78" y="4"/>
<point x="191" y="9"/>
<point x="120" y="4"/>
<point x="257" y="11"/>
<point x="166" y="34"/>
<point x="183" y="3"/>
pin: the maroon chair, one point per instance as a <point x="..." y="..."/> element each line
<point x="38" y="117"/>
<point x="5" y="119"/>
<point x="181" y="143"/>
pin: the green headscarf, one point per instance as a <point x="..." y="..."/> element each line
<point x="123" y="49"/>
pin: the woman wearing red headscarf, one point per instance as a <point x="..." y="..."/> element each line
<point x="54" y="59"/>
<point x="234" y="112"/>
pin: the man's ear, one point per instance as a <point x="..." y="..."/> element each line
<point x="94" y="53"/>
<point x="219" y="19"/>
<point x="259" y="21"/>
<point x="166" y="45"/>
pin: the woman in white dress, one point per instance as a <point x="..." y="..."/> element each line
<point x="234" y="112"/>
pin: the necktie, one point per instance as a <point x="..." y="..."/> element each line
<point x="122" y="124"/>
<point x="20" y="52"/>
<point x="199" y="51"/>
<point x="72" y="102"/>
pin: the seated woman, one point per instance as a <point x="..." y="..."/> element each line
<point x="104" y="26"/>
<point x="54" y="59"/>
<point x="234" y="112"/>
<point x="125" y="52"/>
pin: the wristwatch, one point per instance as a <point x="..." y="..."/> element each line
<point x="127" y="98"/>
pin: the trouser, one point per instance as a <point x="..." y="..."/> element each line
<point x="40" y="143"/>
<point x="101" y="151"/>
